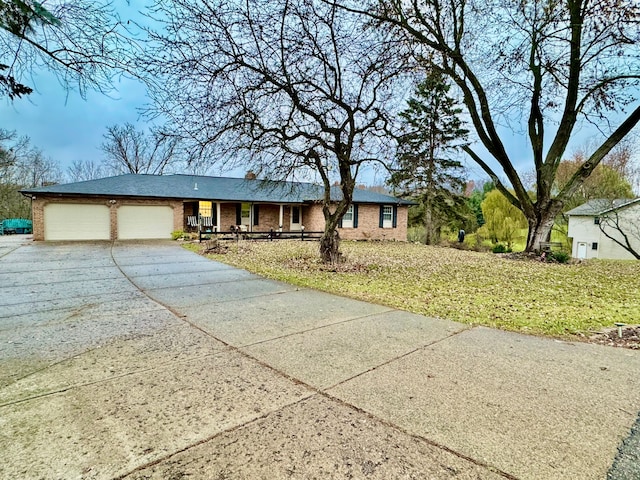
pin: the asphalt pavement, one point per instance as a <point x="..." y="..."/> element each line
<point x="144" y="360"/>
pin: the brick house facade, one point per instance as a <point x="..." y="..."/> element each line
<point x="150" y="206"/>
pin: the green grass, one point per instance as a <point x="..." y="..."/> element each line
<point x="470" y="287"/>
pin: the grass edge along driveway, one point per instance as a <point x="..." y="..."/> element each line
<point x="528" y="296"/>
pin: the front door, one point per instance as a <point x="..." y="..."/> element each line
<point x="296" y="218"/>
<point x="582" y="250"/>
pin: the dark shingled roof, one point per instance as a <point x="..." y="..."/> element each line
<point x="196" y="187"/>
<point x="600" y="206"/>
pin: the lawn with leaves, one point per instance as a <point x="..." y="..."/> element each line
<point x="471" y="287"/>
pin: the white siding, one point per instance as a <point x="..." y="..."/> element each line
<point x="629" y="219"/>
<point x="583" y="229"/>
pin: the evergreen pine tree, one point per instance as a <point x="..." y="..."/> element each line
<point x="426" y="170"/>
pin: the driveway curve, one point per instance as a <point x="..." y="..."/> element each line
<point x="144" y="360"/>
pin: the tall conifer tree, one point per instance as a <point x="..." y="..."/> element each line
<point x="427" y="171"/>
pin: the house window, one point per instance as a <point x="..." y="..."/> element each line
<point x="594" y="246"/>
<point x="347" y="219"/>
<point x="387" y="216"/>
<point x="596" y="221"/>
<point x="295" y="214"/>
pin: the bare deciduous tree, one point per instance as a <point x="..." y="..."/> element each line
<point x="284" y="86"/>
<point x="82" y="42"/>
<point x="551" y="63"/>
<point x="80" y="171"/>
<point x="129" y="150"/>
<point x="22" y="166"/>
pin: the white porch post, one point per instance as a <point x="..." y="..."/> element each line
<point x="281" y="217"/>
<point x="218" y="219"/>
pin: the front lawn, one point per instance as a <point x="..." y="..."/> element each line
<point x="478" y="288"/>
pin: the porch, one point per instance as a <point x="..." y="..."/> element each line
<point x="256" y="221"/>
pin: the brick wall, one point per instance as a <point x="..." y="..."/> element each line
<point x="312" y="218"/>
<point x="227" y="216"/>
<point x="368" y="224"/>
<point x="37" y="215"/>
<point x="269" y="216"/>
<point x="114" y="203"/>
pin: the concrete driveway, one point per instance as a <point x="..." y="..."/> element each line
<point x="143" y="360"/>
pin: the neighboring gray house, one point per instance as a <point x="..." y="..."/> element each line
<point x="593" y="223"/>
<point x="152" y="206"/>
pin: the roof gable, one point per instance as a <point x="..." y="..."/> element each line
<point x="600" y="206"/>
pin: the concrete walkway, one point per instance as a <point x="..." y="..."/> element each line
<point x="148" y="361"/>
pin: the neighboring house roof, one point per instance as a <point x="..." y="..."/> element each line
<point x="600" y="206"/>
<point x="197" y="187"/>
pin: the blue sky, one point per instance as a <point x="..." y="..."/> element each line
<point x="67" y="127"/>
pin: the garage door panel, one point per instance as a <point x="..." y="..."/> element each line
<point x="76" y="221"/>
<point x="137" y="222"/>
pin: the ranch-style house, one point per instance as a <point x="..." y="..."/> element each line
<point x="132" y="206"/>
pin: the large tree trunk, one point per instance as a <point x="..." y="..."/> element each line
<point x="428" y="225"/>
<point x="330" y="244"/>
<point x="540" y="225"/>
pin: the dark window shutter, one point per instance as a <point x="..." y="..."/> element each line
<point x="256" y="220"/>
<point x="395" y="216"/>
<point x="355" y="215"/>
<point x="381" y="216"/>
<point x="238" y="213"/>
<point x="340" y="223"/>
<point x="214" y="213"/>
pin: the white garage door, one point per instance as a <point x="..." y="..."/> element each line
<point x="144" y="221"/>
<point x="75" y="221"/>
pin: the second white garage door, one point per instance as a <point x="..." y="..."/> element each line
<point x="144" y="222"/>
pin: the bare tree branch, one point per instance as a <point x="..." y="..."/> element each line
<point x="290" y="87"/>
<point x="551" y="63"/>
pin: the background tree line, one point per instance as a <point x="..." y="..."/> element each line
<point x="125" y="149"/>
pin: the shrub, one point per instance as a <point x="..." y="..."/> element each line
<point x="500" y="248"/>
<point x="560" y="257"/>
<point x="178" y="234"/>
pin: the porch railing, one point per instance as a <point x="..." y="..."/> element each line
<point x="271" y="235"/>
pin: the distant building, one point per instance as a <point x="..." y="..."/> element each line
<point x="587" y="222"/>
